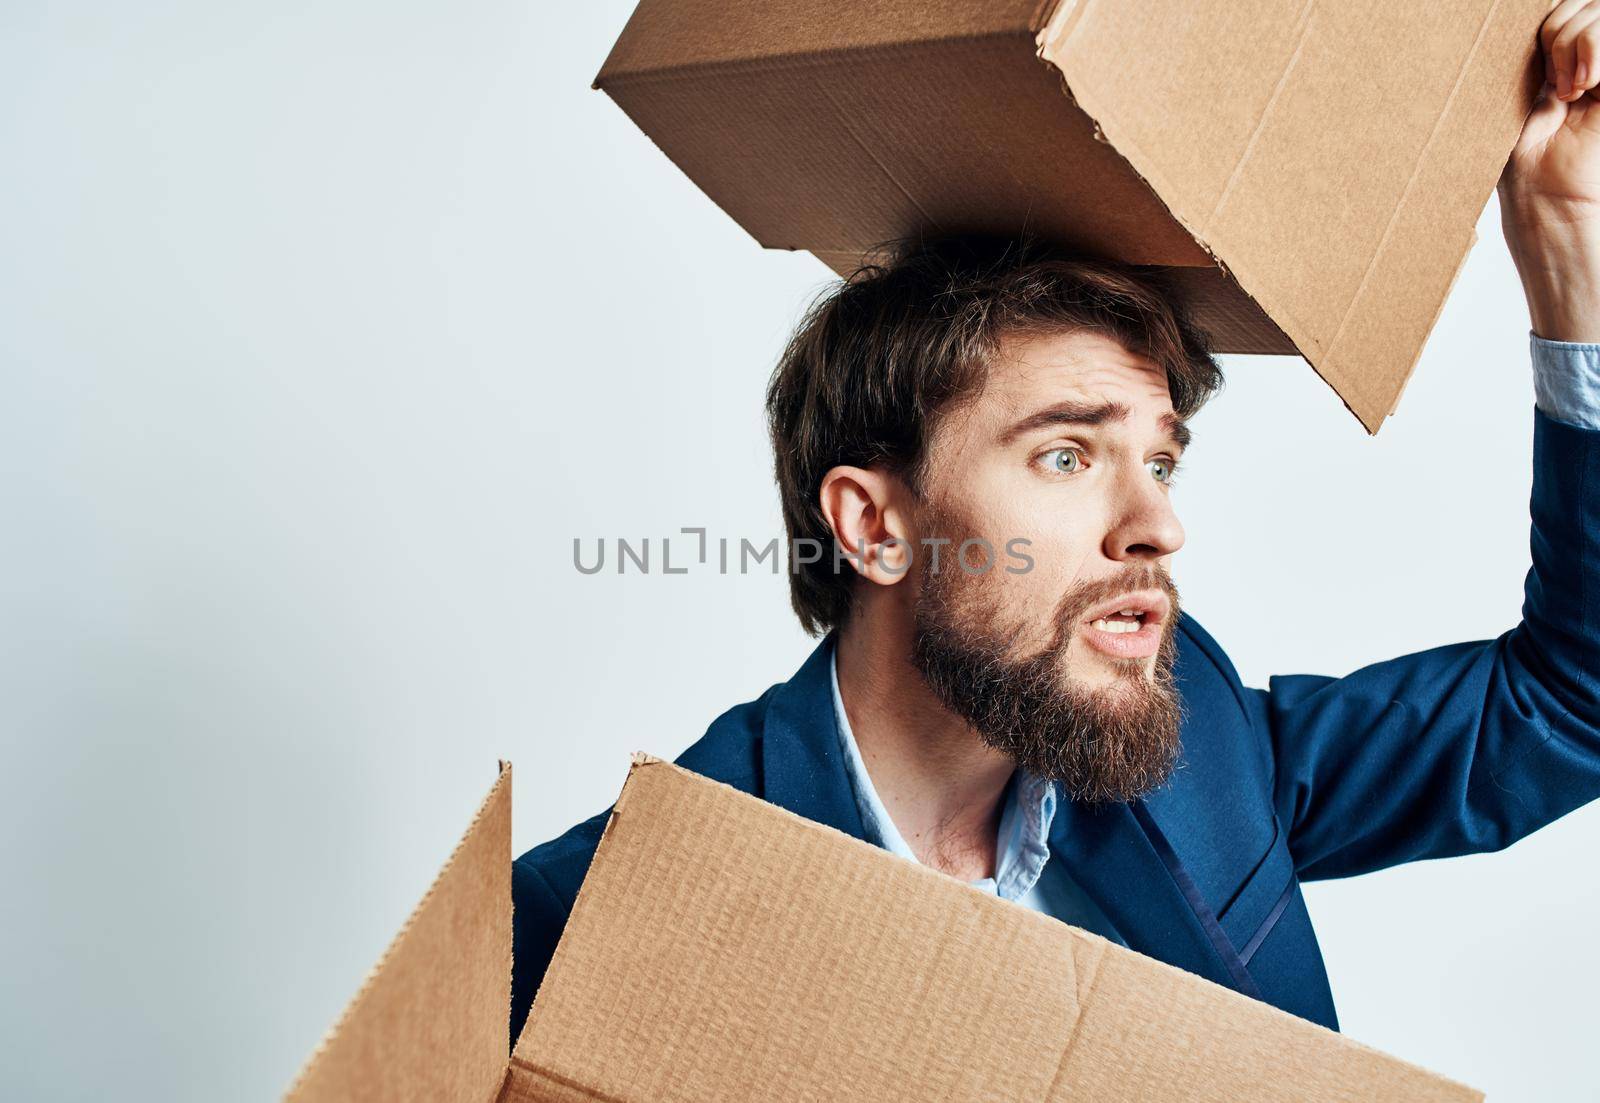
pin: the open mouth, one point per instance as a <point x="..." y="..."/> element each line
<point x="1128" y="626"/>
<point x="1123" y="620"/>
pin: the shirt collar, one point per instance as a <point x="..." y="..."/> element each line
<point x="1023" y="845"/>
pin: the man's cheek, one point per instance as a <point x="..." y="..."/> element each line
<point x="1034" y="600"/>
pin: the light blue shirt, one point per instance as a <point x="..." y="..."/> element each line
<point x="1566" y="380"/>
<point x="1023" y="870"/>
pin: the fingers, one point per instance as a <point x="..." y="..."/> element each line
<point x="1585" y="71"/>
<point x="1552" y="25"/>
<point x="1570" y="42"/>
<point x="1574" y="53"/>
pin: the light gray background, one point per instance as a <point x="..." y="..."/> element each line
<point x="326" y="327"/>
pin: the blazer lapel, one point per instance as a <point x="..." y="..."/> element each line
<point x="1114" y="860"/>
<point x="803" y="766"/>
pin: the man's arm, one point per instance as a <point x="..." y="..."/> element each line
<point x="1471" y="746"/>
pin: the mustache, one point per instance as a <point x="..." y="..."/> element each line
<point x="1076" y="602"/>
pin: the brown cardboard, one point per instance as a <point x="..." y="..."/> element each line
<point x="723" y="949"/>
<point x="1313" y="171"/>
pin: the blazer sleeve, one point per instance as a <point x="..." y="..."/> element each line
<point x="1467" y="747"/>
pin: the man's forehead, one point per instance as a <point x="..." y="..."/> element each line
<point x="1031" y="370"/>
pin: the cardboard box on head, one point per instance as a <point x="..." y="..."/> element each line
<point x="723" y="949"/>
<point x="1307" y="174"/>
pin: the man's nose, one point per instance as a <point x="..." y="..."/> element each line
<point x="1144" y="524"/>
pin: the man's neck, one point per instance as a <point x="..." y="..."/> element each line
<point x="941" y="785"/>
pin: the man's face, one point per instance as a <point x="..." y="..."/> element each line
<point x="1067" y="665"/>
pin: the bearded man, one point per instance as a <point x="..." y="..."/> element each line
<point x="985" y="434"/>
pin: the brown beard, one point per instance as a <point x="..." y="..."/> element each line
<point x="1112" y="743"/>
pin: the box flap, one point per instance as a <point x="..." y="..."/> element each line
<point x="1334" y="157"/>
<point x="429" y="1023"/>
<point x="722" y="948"/>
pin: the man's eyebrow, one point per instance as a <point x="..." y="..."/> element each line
<point x="1072" y="412"/>
<point x="1178" y="430"/>
<point x="1069" y="412"/>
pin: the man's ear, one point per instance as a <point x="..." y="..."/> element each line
<point x="866" y="509"/>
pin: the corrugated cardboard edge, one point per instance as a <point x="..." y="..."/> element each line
<point x="497" y="792"/>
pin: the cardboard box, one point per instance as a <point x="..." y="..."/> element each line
<point x="1310" y="174"/>
<point x="724" y="949"/>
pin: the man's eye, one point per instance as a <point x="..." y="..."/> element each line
<point x="1067" y="461"/>
<point x="1165" y="471"/>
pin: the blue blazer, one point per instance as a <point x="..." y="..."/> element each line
<point x="1453" y="750"/>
